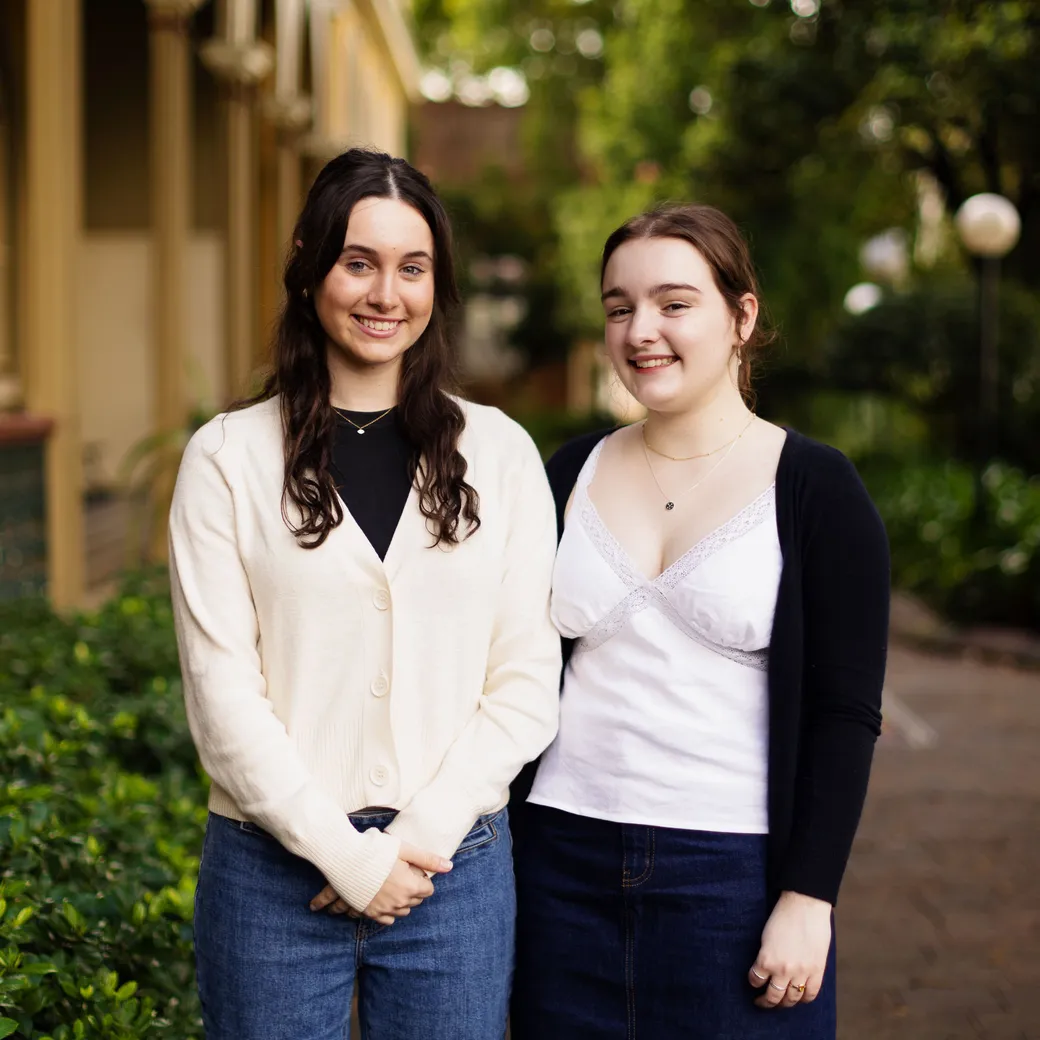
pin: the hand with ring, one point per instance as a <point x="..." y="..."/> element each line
<point x="792" y="959"/>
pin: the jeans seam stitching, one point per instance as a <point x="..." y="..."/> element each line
<point x="490" y="838"/>
<point x="648" y="868"/>
<point x="359" y="942"/>
<point x="630" y="996"/>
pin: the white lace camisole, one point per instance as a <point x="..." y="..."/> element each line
<point x="664" y="713"/>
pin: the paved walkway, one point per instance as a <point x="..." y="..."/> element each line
<point x="939" y="920"/>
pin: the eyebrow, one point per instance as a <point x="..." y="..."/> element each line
<point x="415" y="254"/>
<point x="657" y="290"/>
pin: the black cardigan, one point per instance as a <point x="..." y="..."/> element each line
<point x="826" y="659"/>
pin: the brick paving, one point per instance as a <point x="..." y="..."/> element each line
<point x="939" y="920"/>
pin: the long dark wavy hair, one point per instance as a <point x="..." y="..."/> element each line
<point x="430" y="419"/>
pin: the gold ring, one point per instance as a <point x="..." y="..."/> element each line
<point x="801" y="989"/>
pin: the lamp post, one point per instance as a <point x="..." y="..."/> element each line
<point x="989" y="227"/>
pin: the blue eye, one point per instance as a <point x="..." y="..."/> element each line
<point x="412" y="270"/>
<point x="356" y="266"/>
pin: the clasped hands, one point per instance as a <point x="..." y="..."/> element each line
<point x="407" y="885"/>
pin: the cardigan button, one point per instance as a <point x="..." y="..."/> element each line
<point x="380" y="686"/>
<point x="378" y="775"/>
<point x="381" y="599"/>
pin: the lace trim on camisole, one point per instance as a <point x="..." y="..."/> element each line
<point x="645" y="593"/>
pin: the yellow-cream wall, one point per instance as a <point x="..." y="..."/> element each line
<point x="113" y="311"/>
<point x="366" y="104"/>
<point x="113" y="306"/>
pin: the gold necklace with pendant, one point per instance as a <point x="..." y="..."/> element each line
<point x="361" y="429"/>
<point x="669" y="503"/>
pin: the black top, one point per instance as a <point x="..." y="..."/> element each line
<point x="373" y="472"/>
<point x="826" y="659"/>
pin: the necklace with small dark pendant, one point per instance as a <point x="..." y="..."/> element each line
<point x="669" y="503"/>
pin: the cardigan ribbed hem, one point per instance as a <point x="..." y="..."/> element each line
<point x="355" y="863"/>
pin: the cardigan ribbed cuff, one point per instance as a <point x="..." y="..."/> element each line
<point x="436" y="824"/>
<point x="355" y="863"/>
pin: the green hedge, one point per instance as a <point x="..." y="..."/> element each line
<point x="974" y="569"/>
<point x="101" y="822"/>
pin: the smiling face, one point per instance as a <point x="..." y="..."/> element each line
<point x="670" y="333"/>
<point x="377" y="299"/>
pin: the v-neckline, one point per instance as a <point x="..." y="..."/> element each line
<point x="388" y="564"/>
<point x="680" y="567"/>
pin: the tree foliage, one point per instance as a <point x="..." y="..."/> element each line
<point x="811" y="128"/>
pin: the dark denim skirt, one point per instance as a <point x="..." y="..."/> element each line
<point x="627" y="932"/>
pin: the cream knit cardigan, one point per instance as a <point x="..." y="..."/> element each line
<point x="321" y="681"/>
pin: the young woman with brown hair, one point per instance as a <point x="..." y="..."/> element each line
<point x="361" y="565"/>
<point x="723" y="586"/>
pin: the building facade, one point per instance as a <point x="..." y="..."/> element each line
<point x="153" y="157"/>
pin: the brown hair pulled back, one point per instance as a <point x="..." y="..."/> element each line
<point x="718" y="239"/>
<point x="430" y="419"/>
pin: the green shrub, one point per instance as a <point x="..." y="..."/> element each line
<point x="973" y="569"/>
<point x="922" y="348"/>
<point x="101" y="821"/>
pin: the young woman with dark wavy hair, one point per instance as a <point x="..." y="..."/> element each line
<point x="361" y="565"/>
<point x="723" y="586"/>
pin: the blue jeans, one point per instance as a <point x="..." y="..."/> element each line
<point x="627" y="932"/>
<point x="271" y="969"/>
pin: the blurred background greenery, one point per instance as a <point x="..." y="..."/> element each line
<point x="843" y="137"/>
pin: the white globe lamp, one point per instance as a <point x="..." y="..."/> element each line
<point x="989" y="225"/>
